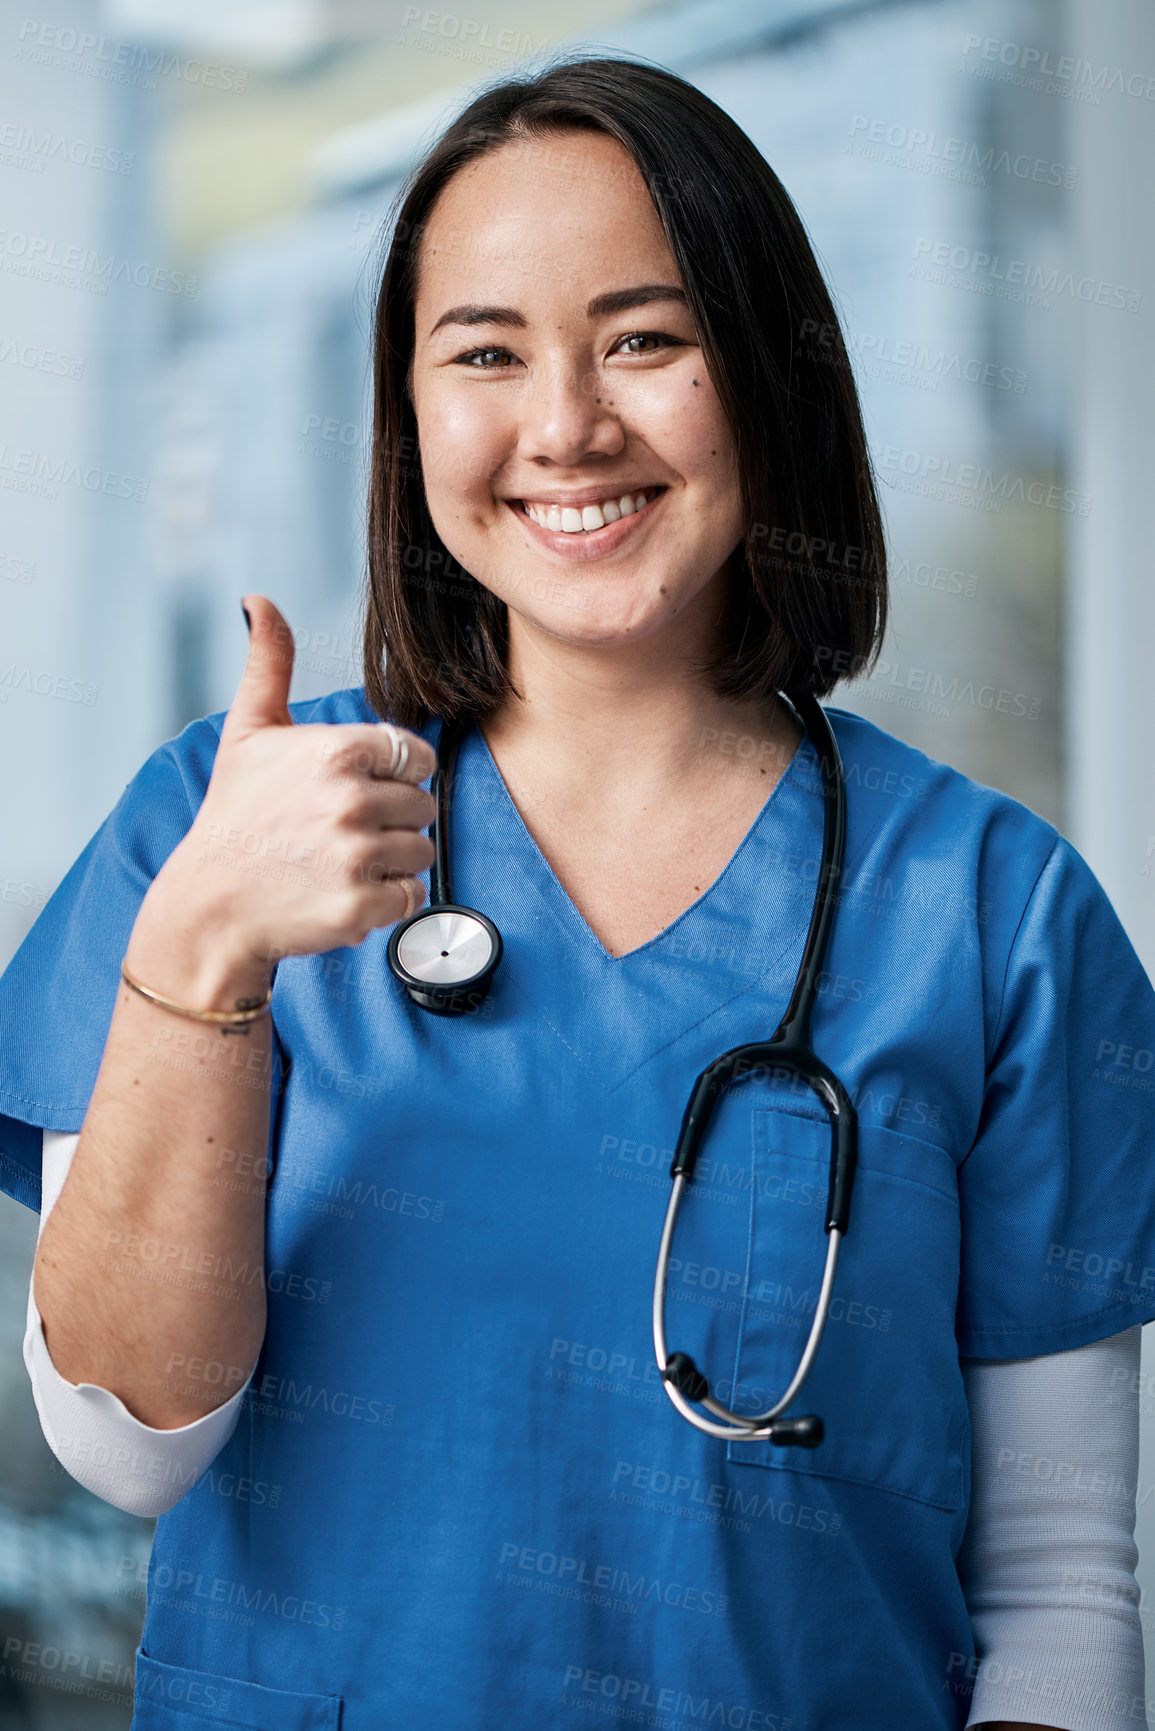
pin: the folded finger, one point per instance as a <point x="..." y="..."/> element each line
<point x="377" y="751"/>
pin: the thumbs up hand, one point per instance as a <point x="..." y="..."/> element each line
<point x="304" y="841"/>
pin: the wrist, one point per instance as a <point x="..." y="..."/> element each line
<point x="188" y="948"/>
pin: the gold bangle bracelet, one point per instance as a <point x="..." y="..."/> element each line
<point x="222" y="1018"/>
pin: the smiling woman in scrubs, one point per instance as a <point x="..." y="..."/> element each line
<point x="390" y="1384"/>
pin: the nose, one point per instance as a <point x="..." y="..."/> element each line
<point x="567" y="415"/>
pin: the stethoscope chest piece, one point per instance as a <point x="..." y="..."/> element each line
<point x="445" y="956"/>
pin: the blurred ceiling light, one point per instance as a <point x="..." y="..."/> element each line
<point x="378" y="149"/>
<point x="686" y="33"/>
<point x="275" y="35"/>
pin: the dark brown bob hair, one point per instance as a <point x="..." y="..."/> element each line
<point x="808" y="602"/>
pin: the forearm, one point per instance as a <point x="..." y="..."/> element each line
<point x="1049" y="1580"/>
<point x="148" y="1276"/>
<point x="137" y="1467"/>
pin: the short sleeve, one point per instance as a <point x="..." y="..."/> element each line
<point x="59" y="991"/>
<point x="1057" y="1194"/>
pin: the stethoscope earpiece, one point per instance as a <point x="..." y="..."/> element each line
<point x="804" y="1432"/>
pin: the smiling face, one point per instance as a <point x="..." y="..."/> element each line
<point x="575" y="454"/>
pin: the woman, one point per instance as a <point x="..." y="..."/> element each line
<point x="616" y="508"/>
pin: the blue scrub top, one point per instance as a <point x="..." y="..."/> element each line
<point x="457" y="1494"/>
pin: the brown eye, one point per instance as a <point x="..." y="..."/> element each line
<point x="487" y="360"/>
<point x="653" y="340"/>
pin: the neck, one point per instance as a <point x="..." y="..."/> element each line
<point x="610" y="725"/>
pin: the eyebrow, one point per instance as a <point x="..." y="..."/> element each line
<point x="617" y="301"/>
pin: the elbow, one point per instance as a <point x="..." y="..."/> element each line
<point x="141" y="1481"/>
<point x="149" y="1500"/>
<point x="143" y="1470"/>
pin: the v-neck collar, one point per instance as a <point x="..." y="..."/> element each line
<point x="568" y="913"/>
<point x="742" y="938"/>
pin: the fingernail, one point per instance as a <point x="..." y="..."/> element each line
<point x="248" y="621"/>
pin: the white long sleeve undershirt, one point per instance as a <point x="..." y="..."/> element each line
<point x="1049" y="1578"/>
<point x="1048" y="1564"/>
<point x="90" y="1430"/>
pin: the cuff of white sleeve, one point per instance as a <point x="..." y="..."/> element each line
<point x="138" y="1468"/>
<point x="1057" y="1674"/>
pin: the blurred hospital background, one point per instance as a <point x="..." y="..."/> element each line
<point x="191" y="213"/>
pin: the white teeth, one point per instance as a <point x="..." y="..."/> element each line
<point x="572" y="520"/>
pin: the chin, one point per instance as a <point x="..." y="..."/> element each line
<point x="597" y="624"/>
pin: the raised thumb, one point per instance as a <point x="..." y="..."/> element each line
<point x="262" y="698"/>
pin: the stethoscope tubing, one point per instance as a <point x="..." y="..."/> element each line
<point x="788" y="1051"/>
<point x="740" y="1427"/>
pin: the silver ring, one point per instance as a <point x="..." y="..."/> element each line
<point x="400" y="758"/>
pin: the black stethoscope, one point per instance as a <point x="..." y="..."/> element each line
<point x="445" y="957"/>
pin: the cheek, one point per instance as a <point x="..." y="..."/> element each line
<point x="713" y="440"/>
<point x="459" y="435"/>
<point x="682" y="422"/>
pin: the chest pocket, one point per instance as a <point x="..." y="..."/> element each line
<point x="886" y="1380"/>
<point x="174" y="1698"/>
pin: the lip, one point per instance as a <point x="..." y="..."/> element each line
<point x="589" y="543"/>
